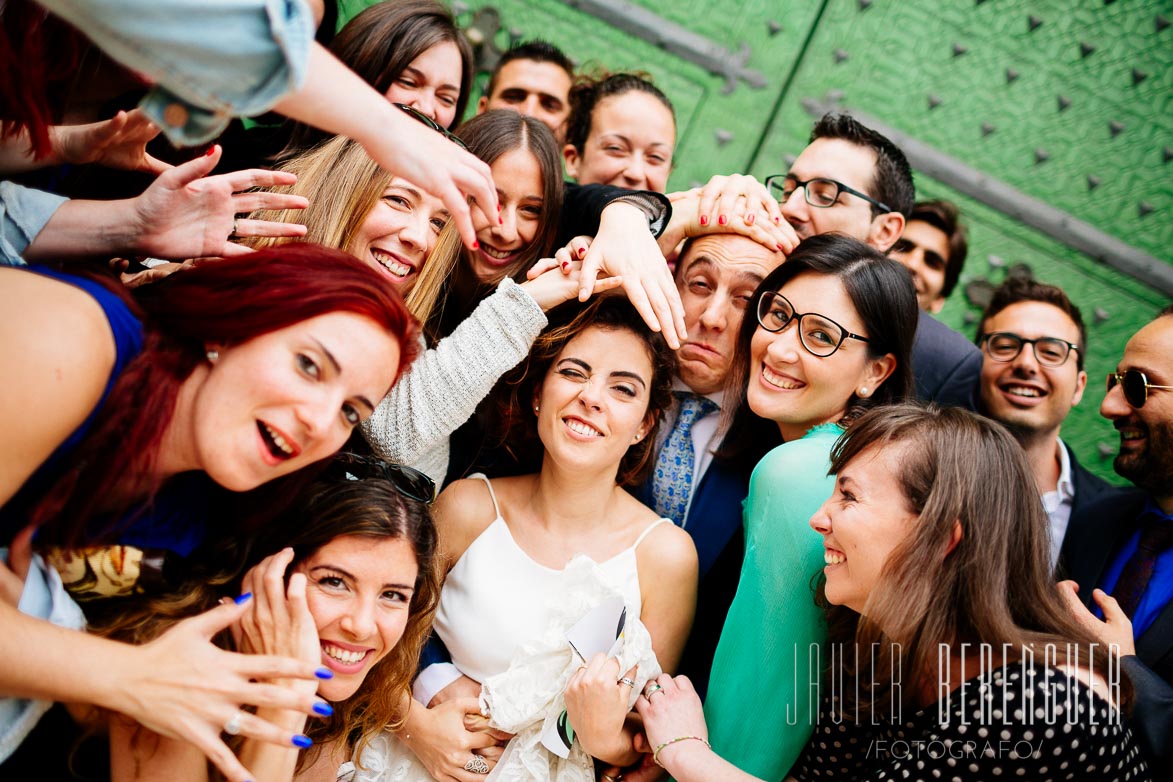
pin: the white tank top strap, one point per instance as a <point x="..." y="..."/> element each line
<point x="648" y="529"/>
<point x="492" y="494"/>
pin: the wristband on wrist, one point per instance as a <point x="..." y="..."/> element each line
<point x="656" y="753"/>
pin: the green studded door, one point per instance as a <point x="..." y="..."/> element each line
<point x="1050" y="122"/>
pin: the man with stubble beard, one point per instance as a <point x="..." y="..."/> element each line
<point x="1119" y="549"/>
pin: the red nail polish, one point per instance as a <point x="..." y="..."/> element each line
<point x="777" y="221"/>
<point x="500" y="221"/>
<point x="211" y="151"/>
<point x="722" y="220"/>
<point x="704" y="219"/>
<point x="749" y="219"/>
<point x="581" y="252"/>
<point x="476" y="245"/>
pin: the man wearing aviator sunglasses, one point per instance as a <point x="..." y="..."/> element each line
<point x="1121" y="546"/>
<point x="854" y="181"/>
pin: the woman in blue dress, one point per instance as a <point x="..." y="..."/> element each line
<point x="151" y="424"/>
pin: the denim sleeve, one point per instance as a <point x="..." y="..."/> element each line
<point x="23" y="213"/>
<point x="210" y="60"/>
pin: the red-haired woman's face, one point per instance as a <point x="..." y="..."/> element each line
<point x="276" y="403"/>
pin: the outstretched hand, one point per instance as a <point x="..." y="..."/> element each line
<point x="119" y="142"/>
<point x="729" y="204"/>
<point x="182" y="686"/>
<point x="1114" y="629"/>
<point x="187" y="214"/>
<point x="552" y="281"/>
<point x="625" y="248"/>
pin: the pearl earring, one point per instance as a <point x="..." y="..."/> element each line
<point x="213" y="356"/>
<point x="863" y="392"/>
<point x="536" y="409"/>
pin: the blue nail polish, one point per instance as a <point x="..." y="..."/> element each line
<point x="247" y="596"/>
<point x="323" y="708"/>
<point x="324" y="673"/>
<point x="305" y="742"/>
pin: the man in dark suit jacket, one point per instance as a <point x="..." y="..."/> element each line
<point x="716" y="276"/>
<point x="857" y="182"/>
<point x="1033" y="344"/>
<point x="1122" y="543"/>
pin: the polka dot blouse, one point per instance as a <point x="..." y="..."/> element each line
<point x="1017" y="722"/>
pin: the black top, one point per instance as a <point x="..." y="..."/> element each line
<point x="1036" y="723"/>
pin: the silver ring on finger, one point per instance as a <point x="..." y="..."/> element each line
<point x="625" y="680"/>
<point x="235" y="229"/>
<point x="233" y="726"/>
<point x="651" y="690"/>
<point x="477" y="765"/>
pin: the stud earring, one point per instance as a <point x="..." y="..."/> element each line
<point x="863" y="392"/>
<point x="537" y="408"/>
<point x="213" y="356"/>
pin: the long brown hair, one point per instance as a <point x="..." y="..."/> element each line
<point x="330" y="509"/>
<point x="489" y="136"/>
<point x="369" y="508"/>
<point x="994" y="587"/>
<point x="517" y="424"/>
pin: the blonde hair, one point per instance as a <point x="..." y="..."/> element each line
<point x="342" y="184"/>
<point x="430" y="284"/>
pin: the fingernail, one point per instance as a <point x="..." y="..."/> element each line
<point x="704" y="219"/>
<point x="498" y="207"/>
<point x="476" y="245"/>
<point x="565" y="264"/>
<point x="303" y="741"/>
<point x="581" y="252"/>
<point x="500" y="221"/>
<point x="324" y="673"/>
<point x="777" y="221"/>
<point x="323" y="708"/>
<point x="211" y="151"/>
<point x="749" y="220"/>
<point x="247" y="596"/>
<point x="722" y="220"/>
<point x="781" y="249"/>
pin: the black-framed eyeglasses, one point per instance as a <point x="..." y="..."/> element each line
<point x="408" y="481"/>
<point x="819" y="192"/>
<point x="1135" y="385"/>
<point x="820" y="335"/>
<point x="1006" y="345"/>
<point x="418" y="115"/>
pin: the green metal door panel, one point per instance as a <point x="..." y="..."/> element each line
<point x="716" y="130"/>
<point x="1068" y="101"/>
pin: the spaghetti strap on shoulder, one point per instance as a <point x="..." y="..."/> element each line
<point x="648" y="529"/>
<point x="492" y="494"/>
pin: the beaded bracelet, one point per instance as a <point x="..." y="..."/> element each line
<point x="656" y="753"/>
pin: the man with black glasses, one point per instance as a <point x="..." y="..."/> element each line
<point x="1119" y="549"/>
<point x="854" y="181"/>
<point x="1033" y="343"/>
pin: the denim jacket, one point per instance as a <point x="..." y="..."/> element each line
<point x="23" y="213"/>
<point x="210" y="60"/>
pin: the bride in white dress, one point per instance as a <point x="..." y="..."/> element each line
<point x="594" y="389"/>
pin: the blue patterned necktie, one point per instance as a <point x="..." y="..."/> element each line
<point x="672" y="479"/>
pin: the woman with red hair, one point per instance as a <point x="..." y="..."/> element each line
<point x="152" y="424"/>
